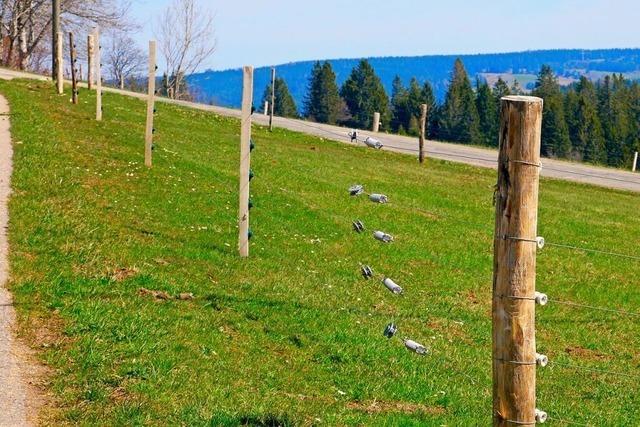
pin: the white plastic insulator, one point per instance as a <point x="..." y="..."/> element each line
<point x="541" y="299"/>
<point x="541" y="416"/>
<point x="416" y="347"/>
<point x="383" y="237"/>
<point x="392" y="286"/>
<point x="540" y="242"/>
<point x="373" y="143"/>
<point x="378" y="198"/>
<point x="542" y="360"/>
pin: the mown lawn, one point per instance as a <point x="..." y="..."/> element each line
<point x="292" y="336"/>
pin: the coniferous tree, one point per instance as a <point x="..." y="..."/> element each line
<point x="429" y="98"/>
<point x="322" y="103"/>
<point x="500" y="90"/>
<point x="399" y="105"/>
<point x="364" y="95"/>
<point x="284" y="106"/>
<point x="487" y="113"/>
<point x="584" y="125"/>
<point x="459" y="116"/>
<point x="555" y="134"/>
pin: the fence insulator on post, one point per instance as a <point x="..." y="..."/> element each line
<point x="383" y="237"/>
<point x="542" y="360"/>
<point x="378" y="198"/>
<point x="358" y="226"/>
<point x="390" y="330"/>
<point x="356" y="190"/>
<point x="392" y="286"/>
<point x="514" y="343"/>
<point x="416" y="347"/>
<point x="366" y="271"/>
<point x="245" y="162"/>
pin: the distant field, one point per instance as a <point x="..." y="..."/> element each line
<point x="292" y="336"/>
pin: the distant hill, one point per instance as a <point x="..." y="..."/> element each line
<point x="224" y="87"/>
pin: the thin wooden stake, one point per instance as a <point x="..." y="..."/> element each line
<point x="423" y="131"/>
<point x="635" y="162"/>
<point x="90" y="62"/>
<point x="514" y="274"/>
<point x="74" y="71"/>
<point x="98" y="65"/>
<point x="245" y="161"/>
<point x="151" y="98"/>
<point x="273" y="98"/>
<point x="60" y="64"/>
<point x="376" y="122"/>
<point x="266" y="108"/>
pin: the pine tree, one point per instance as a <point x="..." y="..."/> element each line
<point x="459" y="116"/>
<point x="429" y="98"/>
<point x="485" y="103"/>
<point x="614" y="108"/>
<point x="584" y="125"/>
<point x="322" y="103"/>
<point x="399" y="105"/>
<point x="364" y="95"/>
<point x="555" y="134"/>
<point x="284" y="106"/>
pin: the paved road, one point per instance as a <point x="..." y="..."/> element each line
<point x="577" y="172"/>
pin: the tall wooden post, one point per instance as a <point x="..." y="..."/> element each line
<point x="59" y="64"/>
<point x="376" y="122"/>
<point x="74" y="71"/>
<point x="423" y="131"/>
<point x="266" y="108"/>
<point x="90" y="61"/>
<point x="55" y="29"/>
<point x="635" y="162"/>
<point x="98" y="72"/>
<point x="514" y="265"/>
<point x="151" y="97"/>
<point x="245" y="161"/>
<point x="273" y="98"/>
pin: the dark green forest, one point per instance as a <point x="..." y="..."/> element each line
<point x="592" y="122"/>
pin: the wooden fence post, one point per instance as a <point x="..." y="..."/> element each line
<point x="245" y="161"/>
<point x="60" y="64"/>
<point x="98" y="65"/>
<point x="266" y="108"/>
<point x="90" y="62"/>
<point x="74" y="71"/>
<point x="151" y="97"/>
<point x="635" y="162"/>
<point x="423" y="131"/>
<point x="273" y="98"/>
<point x="514" y="274"/>
<point x="376" y="122"/>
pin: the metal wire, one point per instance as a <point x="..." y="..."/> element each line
<point x="602" y="371"/>
<point x="592" y="307"/>
<point x="597" y="251"/>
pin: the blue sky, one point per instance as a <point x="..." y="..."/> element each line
<point x="269" y="32"/>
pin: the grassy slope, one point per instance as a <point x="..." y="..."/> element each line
<point x="294" y="333"/>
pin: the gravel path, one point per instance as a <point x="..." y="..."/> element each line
<point x="14" y="408"/>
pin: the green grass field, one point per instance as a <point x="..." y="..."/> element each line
<point x="292" y="336"/>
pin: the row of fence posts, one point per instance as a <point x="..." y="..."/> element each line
<point x="94" y="60"/>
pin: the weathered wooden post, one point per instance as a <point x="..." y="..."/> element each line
<point x="55" y="29"/>
<point x="376" y="122"/>
<point x="635" y="162"/>
<point x="273" y="98"/>
<point x="74" y="71"/>
<point x="514" y="274"/>
<point x="90" y="62"/>
<point x="423" y="131"/>
<point x="98" y="65"/>
<point x="60" y="64"/>
<point x="245" y="161"/>
<point x="151" y="97"/>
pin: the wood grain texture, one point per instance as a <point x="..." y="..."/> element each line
<point x="90" y="62"/>
<point x="151" y="97"/>
<point x="514" y="342"/>
<point x="60" y="64"/>
<point x="98" y="73"/>
<point x="245" y="161"/>
<point x="376" y="122"/>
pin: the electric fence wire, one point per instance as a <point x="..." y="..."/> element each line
<point x="596" y="370"/>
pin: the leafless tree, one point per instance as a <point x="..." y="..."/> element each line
<point x="124" y="59"/>
<point x="25" y="25"/>
<point x="186" y="39"/>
